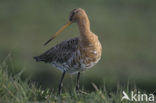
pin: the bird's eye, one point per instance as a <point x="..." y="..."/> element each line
<point x="73" y="13"/>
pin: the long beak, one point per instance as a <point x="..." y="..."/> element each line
<point x="58" y="32"/>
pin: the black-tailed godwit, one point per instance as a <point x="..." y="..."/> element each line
<point x="76" y="54"/>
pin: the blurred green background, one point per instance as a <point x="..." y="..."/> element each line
<point x="126" y="29"/>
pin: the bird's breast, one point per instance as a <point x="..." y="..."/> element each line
<point x="88" y="55"/>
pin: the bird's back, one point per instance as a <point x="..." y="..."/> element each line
<point x="60" y="52"/>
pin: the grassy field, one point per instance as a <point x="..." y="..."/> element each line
<point x="15" y="90"/>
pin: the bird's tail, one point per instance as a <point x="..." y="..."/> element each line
<point x="37" y="58"/>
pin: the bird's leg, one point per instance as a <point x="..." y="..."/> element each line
<point x="61" y="84"/>
<point x="77" y="82"/>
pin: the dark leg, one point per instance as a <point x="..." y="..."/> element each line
<point x="77" y="82"/>
<point x="61" y="84"/>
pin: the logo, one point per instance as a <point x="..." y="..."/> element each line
<point x="137" y="96"/>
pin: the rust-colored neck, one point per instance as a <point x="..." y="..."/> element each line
<point x="84" y="27"/>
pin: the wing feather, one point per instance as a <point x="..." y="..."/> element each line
<point x="59" y="53"/>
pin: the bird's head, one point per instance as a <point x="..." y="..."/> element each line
<point x="75" y="16"/>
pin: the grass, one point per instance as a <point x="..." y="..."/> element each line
<point x="15" y="90"/>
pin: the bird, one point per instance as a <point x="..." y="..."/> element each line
<point x="76" y="54"/>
